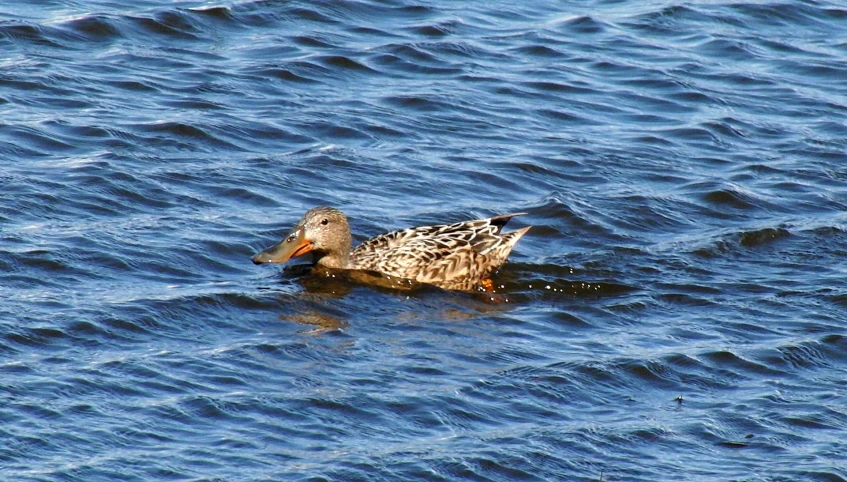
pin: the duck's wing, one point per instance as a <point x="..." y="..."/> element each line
<point x="442" y="255"/>
<point x="466" y="229"/>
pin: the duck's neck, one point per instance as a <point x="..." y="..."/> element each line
<point x="339" y="260"/>
<point x="338" y="255"/>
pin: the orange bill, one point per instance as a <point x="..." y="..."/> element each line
<point x="295" y="244"/>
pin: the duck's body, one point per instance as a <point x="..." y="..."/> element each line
<point x="459" y="256"/>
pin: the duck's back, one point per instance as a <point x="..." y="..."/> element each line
<point x="453" y="256"/>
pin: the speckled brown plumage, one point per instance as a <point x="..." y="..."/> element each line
<point x="460" y="256"/>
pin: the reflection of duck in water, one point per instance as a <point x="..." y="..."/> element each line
<point x="459" y="256"/>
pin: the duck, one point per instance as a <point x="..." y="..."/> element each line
<point x="460" y="256"/>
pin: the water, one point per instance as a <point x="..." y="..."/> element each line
<point x="676" y="313"/>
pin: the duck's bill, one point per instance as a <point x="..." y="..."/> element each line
<point x="292" y="246"/>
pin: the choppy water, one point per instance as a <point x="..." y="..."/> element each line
<point x="677" y="313"/>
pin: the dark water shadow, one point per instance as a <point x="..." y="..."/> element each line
<point x="328" y="301"/>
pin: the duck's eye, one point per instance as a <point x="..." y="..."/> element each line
<point x="324" y="222"/>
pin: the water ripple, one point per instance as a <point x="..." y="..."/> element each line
<point x="676" y="310"/>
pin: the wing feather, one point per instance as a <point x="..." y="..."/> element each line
<point x="455" y="256"/>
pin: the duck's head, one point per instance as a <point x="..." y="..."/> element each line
<point x="323" y="231"/>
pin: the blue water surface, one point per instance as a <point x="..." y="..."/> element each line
<point x="677" y="312"/>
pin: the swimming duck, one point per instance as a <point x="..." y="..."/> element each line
<point x="460" y="256"/>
